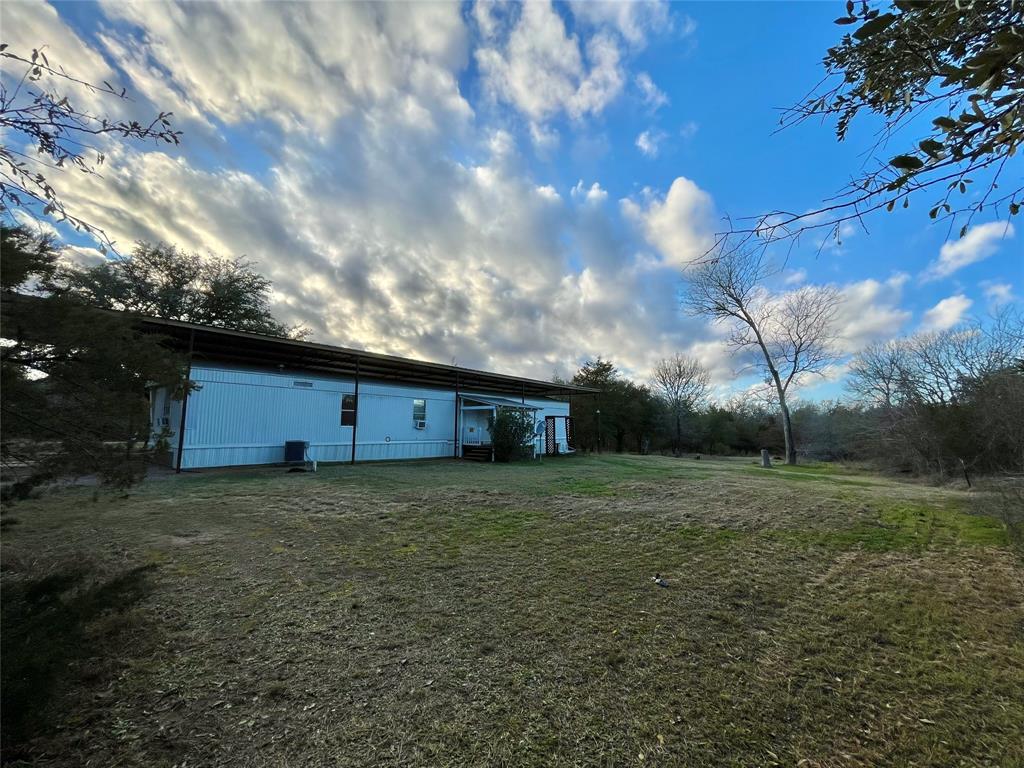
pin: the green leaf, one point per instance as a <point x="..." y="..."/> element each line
<point x="1014" y="209"/>
<point x="906" y="162"/>
<point x="874" y="26"/>
<point x="846" y="20"/>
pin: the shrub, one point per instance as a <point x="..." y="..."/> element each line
<point x="512" y="434"/>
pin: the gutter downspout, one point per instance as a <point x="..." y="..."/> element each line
<point x="184" y="401"/>
<point x="355" y="421"/>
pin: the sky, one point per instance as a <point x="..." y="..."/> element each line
<point x="516" y="188"/>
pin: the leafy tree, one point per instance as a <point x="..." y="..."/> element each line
<point x="623" y="413"/>
<point x="511" y="434"/>
<point x="41" y="130"/>
<point x="947" y="81"/>
<point x="792" y="333"/>
<point x="74" y="380"/>
<point x="163" y="281"/>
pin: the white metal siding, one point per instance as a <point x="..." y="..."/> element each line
<point x="242" y="416"/>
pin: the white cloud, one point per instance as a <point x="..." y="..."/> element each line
<point x="448" y="259"/>
<point x="593" y="194"/>
<point x="870" y="311"/>
<point x="679" y="225"/>
<point x="979" y="243"/>
<point x="302" y="66"/>
<point x="374" y="231"/>
<point x="81" y="256"/>
<point x="653" y="96"/>
<point x="38" y="227"/>
<point x="543" y="137"/>
<point x="689" y="129"/>
<point x="946" y="313"/>
<point x="542" y="71"/>
<point x="649" y="142"/>
<point x="997" y="294"/>
<point x="548" y="192"/>
<point x="795" y="277"/>
<point x="636" y="22"/>
<point x="486" y="18"/>
<point x="29" y="25"/>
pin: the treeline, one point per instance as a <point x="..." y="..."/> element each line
<point x="74" y="381"/>
<point x="944" y="403"/>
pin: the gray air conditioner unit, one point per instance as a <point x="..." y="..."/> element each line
<point x="420" y="424"/>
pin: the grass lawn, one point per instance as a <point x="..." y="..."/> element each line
<point x="444" y="613"/>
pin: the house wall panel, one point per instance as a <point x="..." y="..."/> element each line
<point x="242" y="416"/>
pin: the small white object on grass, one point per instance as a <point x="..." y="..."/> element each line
<point x="658" y="580"/>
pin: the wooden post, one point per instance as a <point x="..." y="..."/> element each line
<point x="355" y="416"/>
<point x="184" y="400"/>
<point x="456" y="439"/>
<point x="766" y="459"/>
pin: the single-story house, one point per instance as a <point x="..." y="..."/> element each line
<point x="256" y="393"/>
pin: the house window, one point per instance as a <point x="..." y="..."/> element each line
<point x="419" y="414"/>
<point x="306" y="384"/>
<point x="348" y="410"/>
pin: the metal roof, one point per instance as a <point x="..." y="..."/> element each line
<point x="500" y="402"/>
<point x="244" y="347"/>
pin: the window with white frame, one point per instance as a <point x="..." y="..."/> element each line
<point x="419" y="413"/>
<point x="348" y="410"/>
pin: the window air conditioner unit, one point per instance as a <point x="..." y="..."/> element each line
<point x="420" y="424"/>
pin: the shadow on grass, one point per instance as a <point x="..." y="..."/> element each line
<point x="46" y="629"/>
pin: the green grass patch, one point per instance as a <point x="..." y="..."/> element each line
<point x="907" y="527"/>
<point x="583" y="487"/>
<point x="495" y="524"/>
<point x="701" y="535"/>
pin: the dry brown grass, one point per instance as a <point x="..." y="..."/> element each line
<point x="444" y="614"/>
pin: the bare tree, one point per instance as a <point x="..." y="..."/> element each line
<point x="793" y="332"/>
<point x="43" y="132"/>
<point x="878" y="372"/>
<point x="683" y="383"/>
<point x="949" y="400"/>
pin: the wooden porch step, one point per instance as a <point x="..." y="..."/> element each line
<point x="476" y="452"/>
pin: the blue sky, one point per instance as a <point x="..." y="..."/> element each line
<point x="513" y="187"/>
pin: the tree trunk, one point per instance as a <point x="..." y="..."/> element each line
<point x="787" y="430"/>
<point x="679" y="434"/>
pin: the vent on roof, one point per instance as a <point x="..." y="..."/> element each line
<point x="302" y="384"/>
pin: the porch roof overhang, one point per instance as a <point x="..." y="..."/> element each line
<point x="223" y="345"/>
<point x="499" y="402"/>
